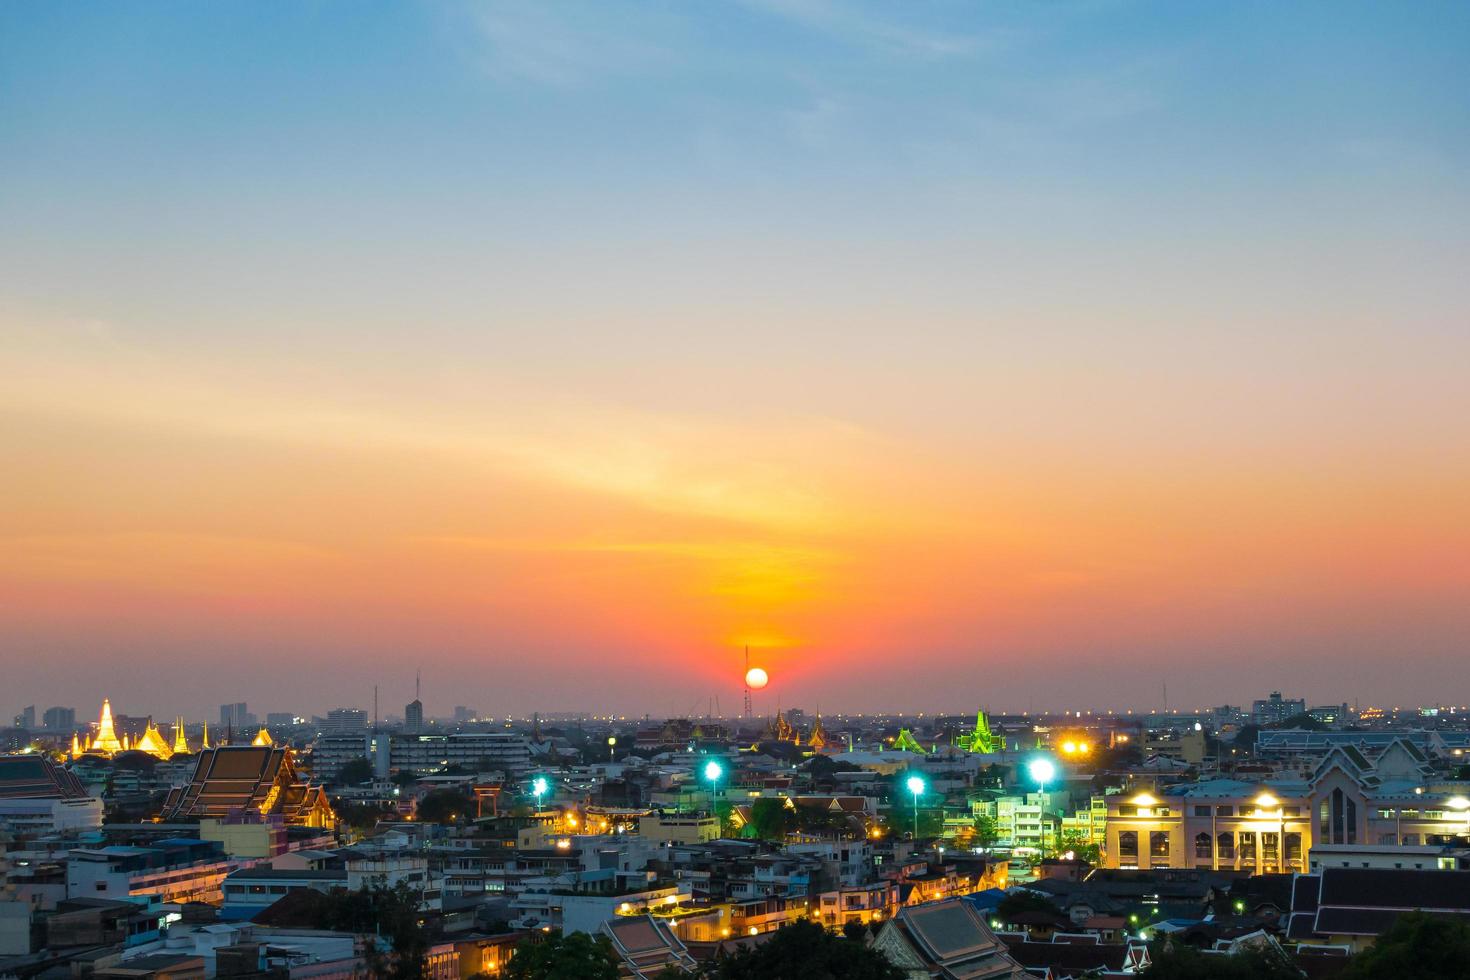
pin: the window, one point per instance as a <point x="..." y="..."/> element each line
<point x="1385" y="813"/>
<point x="1247" y="845"/>
<point x="1224" y="811"/>
<point x="1163" y="811"/>
<point x="1202" y="845"/>
<point x="1128" y="844"/>
<point x="1247" y="809"/>
<point x="1158" y="844"/>
<point x="1271" y="846"/>
<point x="1127" y="810"/>
<point x="1291" y="811"/>
<point x="1411" y="839"/>
<point x="1227" y="846"/>
<point x="1201" y="811"/>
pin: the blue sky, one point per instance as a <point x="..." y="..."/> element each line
<point x="1155" y="308"/>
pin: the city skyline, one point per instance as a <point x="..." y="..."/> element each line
<point x="947" y="357"/>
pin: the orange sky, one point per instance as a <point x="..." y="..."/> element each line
<point x="951" y="355"/>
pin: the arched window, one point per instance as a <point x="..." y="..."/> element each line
<point x="1158" y="844"/>
<point x="1128" y="845"/>
<point x="1202" y="845"/>
<point x="1227" y="846"/>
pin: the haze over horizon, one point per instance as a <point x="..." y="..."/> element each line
<point x="951" y="356"/>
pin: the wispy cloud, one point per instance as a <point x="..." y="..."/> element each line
<point x="568" y="45"/>
<point x="848" y="22"/>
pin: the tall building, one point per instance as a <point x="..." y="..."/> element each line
<point x="27" y="718"/>
<point x="346" y="719"/>
<point x="413" y="716"/>
<point x="463" y="714"/>
<point x="236" y="716"/>
<point x="1276" y="709"/>
<point x="60" y="719"/>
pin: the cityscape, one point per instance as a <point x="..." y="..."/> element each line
<point x="735" y="490"/>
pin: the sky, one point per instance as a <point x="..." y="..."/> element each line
<point x="948" y="355"/>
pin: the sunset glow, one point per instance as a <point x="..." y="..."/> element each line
<point x="898" y="354"/>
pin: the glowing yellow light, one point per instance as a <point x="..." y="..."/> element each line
<point x="1457" y="803"/>
<point x="1084" y="747"/>
<point x="1266" y="800"/>
<point x="754" y="930"/>
<point x="1144" y="799"/>
<point x="756" y="678"/>
<point x="1069" y="747"/>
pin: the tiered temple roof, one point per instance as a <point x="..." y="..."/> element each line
<point x="249" y="779"/>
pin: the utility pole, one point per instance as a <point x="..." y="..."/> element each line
<point x="745" y="681"/>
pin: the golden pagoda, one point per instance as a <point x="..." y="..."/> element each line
<point x="205" y="744"/>
<point x="152" y="742"/>
<point x="263" y="737"/>
<point x="106" y="740"/>
<point x="181" y="744"/>
<point x="818" y="738"/>
<point x="76" y="746"/>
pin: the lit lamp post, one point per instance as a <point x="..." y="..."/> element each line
<point x="1042" y="771"/>
<point x="915" y="786"/>
<point x="712" y="772"/>
<point x="612" y="747"/>
<point x="539" y="788"/>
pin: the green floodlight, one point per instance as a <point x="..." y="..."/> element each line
<point x="713" y="771"/>
<point x="915" y="786"/>
<point x="1042" y="771"/>
<point x="539" y="788"/>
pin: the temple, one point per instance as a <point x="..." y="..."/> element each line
<point x="982" y="739"/>
<point x="907" y="743"/>
<point x="107" y="742"/>
<point x="249" y="780"/>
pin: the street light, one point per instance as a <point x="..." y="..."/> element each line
<point x="916" y="787"/>
<point x="539" y="788"/>
<point x="612" y="747"/>
<point x="713" y="771"/>
<point x="1043" y="771"/>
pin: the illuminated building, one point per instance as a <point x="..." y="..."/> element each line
<point x="817" y="740"/>
<point x="263" y="737"/>
<point x="106" y="740"/>
<point x="982" y="739"/>
<point x="181" y="744"/>
<point x="152" y="742"/>
<point x="1347" y="802"/>
<point x="781" y="730"/>
<point x="250" y="780"/>
<point x="905" y="742"/>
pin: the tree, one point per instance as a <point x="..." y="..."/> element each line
<point x="1016" y="903"/>
<point x="578" y="956"/>
<point x="769" y="818"/>
<point x="987" y="832"/>
<point x="1183" y="962"/>
<point x="355" y="771"/>
<point x="1418" y="945"/>
<point x="445" y="806"/>
<point x="391" y="913"/>
<point x="1077" y="842"/>
<point x="804" y="950"/>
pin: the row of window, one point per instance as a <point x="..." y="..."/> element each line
<point x="1227" y="843"/>
<point x="1247" y="810"/>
